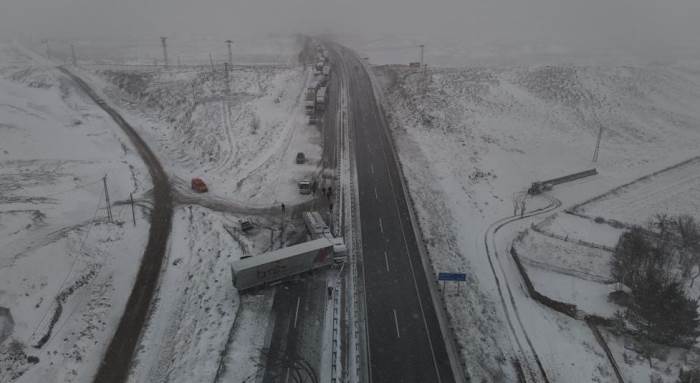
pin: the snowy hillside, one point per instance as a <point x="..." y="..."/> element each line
<point x="470" y="139"/>
<point x="242" y="145"/>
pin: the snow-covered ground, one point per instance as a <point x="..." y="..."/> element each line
<point x="243" y="145"/>
<point x="575" y="228"/>
<point x="56" y="145"/>
<point x="675" y="191"/>
<point x="469" y="139"/>
<point x="253" y="326"/>
<point x="65" y="271"/>
<point x="241" y="138"/>
<point x="196" y="304"/>
<point x="570" y="258"/>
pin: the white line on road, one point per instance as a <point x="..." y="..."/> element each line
<point x="386" y="260"/>
<point x="376" y="196"/>
<point x="381" y="227"/>
<point x="413" y="272"/>
<point x="296" y="314"/>
<point x="396" y="321"/>
<point x="371" y="168"/>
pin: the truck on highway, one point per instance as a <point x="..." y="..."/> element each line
<point x="310" y="101"/>
<point x="321" y="98"/>
<point x="285" y="262"/>
<point x="315" y="224"/>
<point x="326" y="72"/>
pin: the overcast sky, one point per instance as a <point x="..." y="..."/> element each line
<point x="590" y="23"/>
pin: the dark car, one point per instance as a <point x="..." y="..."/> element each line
<point x="246" y="226"/>
<point x="301" y="158"/>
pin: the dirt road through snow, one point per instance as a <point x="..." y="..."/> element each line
<point x="117" y="359"/>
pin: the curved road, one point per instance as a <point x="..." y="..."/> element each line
<point x="520" y="335"/>
<point x="115" y="364"/>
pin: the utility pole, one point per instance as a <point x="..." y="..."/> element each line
<point x="421" y="54"/>
<point x="109" y="207"/>
<point x="230" y="54"/>
<point x="211" y="61"/>
<point x="165" y="51"/>
<point x="597" y="144"/>
<point x="133" y="212"/>
<point x="48" y="53"/>
<point x="72" y="53"/>
<point x="228" y="86"/>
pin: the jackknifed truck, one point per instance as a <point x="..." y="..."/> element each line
<point x="286" y="262"/>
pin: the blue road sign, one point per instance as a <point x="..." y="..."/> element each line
<point x="459" y="277"/>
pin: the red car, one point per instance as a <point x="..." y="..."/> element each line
<point x="199" y="186"/>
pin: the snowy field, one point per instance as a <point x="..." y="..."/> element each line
<point x="574" y="259"/>
<point x="65" y="271"/>
<point x="470" y="138"/>
<point x="574" y="228"/>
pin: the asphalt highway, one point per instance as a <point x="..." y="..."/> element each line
<point x="405" y="343"/>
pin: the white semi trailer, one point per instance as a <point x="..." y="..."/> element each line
<point x="286" y="262"/>
<point x="315" y="224"/>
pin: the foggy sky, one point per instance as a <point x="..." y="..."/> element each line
<point x="586" y="23"/>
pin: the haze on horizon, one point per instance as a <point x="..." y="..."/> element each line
<point x="637" y="25"/>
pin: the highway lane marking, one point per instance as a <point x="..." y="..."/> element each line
<point x="396" y="321"/>
<point x="410" y="263"/>
<point x="376" y="196"/>
<point x="381" y="227"/>
<point x="386" y="260"/>
<point x="371" y="168"/>
<point x="296" y="314"/>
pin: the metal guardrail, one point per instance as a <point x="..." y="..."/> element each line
<point x="357" y="358"/>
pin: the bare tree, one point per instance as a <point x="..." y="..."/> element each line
<point x="519" y="201"/>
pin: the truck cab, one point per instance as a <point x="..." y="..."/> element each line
<point x="304" y="186"/>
